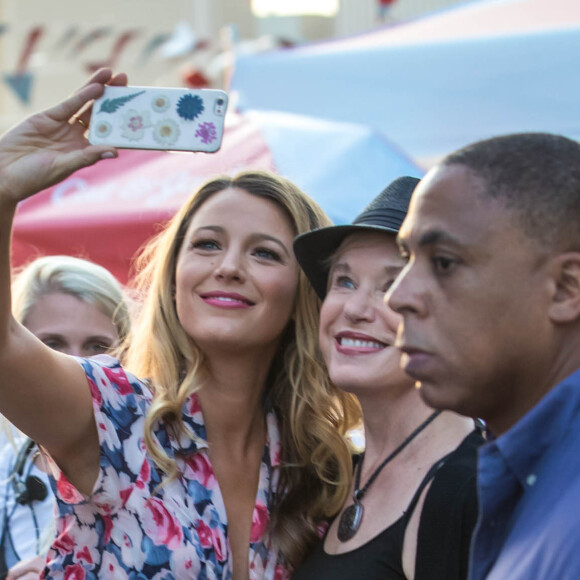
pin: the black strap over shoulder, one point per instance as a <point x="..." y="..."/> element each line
<point x="23" y="454"/>
<point x="430" y="475"/>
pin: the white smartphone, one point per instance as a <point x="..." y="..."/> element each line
<point x="159" y="118"/>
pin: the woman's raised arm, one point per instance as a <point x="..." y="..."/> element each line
<point x="43" y="392"/>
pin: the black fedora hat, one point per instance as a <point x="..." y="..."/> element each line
<point x="385" y="214"/>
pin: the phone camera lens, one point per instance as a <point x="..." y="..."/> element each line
<point x="220" y="101"/>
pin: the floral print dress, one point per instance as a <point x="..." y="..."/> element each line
<point x="129" y="528"/>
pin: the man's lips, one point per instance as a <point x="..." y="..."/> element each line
<point x="226" y="299"/>
<point x="414" y="361"/>
<point x="358" y="343"/>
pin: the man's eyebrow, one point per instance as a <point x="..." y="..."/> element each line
<point x="428" y="238"/>
<point x="432" y="237"/>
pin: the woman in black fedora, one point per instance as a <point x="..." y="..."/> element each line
<point x="413" y="504"/>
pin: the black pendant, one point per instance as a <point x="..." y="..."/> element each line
<point x="349" y="522"/>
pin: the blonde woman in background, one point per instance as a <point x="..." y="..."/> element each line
<point x="79" y="308"/>
<point x="225" y="457"/>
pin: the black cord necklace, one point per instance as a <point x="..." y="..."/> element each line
<point x="351" y="518"/>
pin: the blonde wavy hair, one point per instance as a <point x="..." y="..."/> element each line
<point x="313" y="415"/>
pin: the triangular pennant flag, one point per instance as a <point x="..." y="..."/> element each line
<point x="65" y="38"/>
<point x="90" y="38"/>
<point x="157" y="41"/>
<point x="20" y="81"/>
<point x="123" y="39"/>
<point x="21" y="84"/>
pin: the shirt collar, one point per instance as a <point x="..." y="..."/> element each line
<point x="526" y="443"/>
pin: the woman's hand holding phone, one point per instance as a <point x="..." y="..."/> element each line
<point x="47" y="147"/>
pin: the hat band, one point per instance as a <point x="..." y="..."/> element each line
<point x="388" y="218"/>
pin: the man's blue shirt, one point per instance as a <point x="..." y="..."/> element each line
<point x="529" y="494"/>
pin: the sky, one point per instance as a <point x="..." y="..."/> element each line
<point x="290" y="7"/>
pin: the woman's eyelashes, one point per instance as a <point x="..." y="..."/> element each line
<point x="261" y="252"/>
<point x="55" y="344"/>
<point x="267" y="254"/>
<point x="205" y="244"/>
<point x="342" y="281"/>
<point x="97" y="347"/>
<point x="89" y="348"/>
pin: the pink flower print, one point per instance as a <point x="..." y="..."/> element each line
<point x="74" y="572"/>
<point x="123" y="386"/>
<point x="280" y="573"/>
<point x="85" y="554"/>
<point x="219" y="544"/>
<point x="96" y="394"/>
<point x="134" y="124"/>
<point x="194" y="406"/>
<point x="67" y="491"/>
<point x="108" y="521"/>
<point x="144" y="475"/>
<point x="198" y="467"/>
<point x="160" y="525"/>
<point x="206" y="132"/>
<point x="64" y="544"/>
<point x="125" y="494"/>
<point x="204" y="533"/>
<point x="185" y="563"/>
<point x="259" y="522"/>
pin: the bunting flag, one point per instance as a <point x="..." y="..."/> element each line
<point x="118" y="47"/>
<point x="181" y="43"/>
<point x="20" y="81"/>
<point x="70" y="41"/>
<point x="384" y="8"/>
<point x="152" y="46"/>
<point x="65" y="39"/>
<point x="89" y="39"/>
<point x="195" y="79"/>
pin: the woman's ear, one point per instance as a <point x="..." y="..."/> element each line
<point x="565" y="306"/>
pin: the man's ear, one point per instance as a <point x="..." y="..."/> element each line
<point x="565" y="306"/>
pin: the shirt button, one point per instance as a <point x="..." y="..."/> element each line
<point x="531" y="479"/>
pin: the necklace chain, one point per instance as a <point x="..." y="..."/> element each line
<point x="351" y="517"/>
<point x="359" y="493"/>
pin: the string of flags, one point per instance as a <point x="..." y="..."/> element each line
<point x="73" y="42"/>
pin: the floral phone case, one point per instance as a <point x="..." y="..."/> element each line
<point x="159" y="118"/>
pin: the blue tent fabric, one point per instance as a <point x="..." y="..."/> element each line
<point x="428" y="96"/>
<point x="343" y="166"/>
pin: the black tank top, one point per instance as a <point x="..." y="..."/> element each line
<point x="380" y="557"/>
<point x="447" y="521"/>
